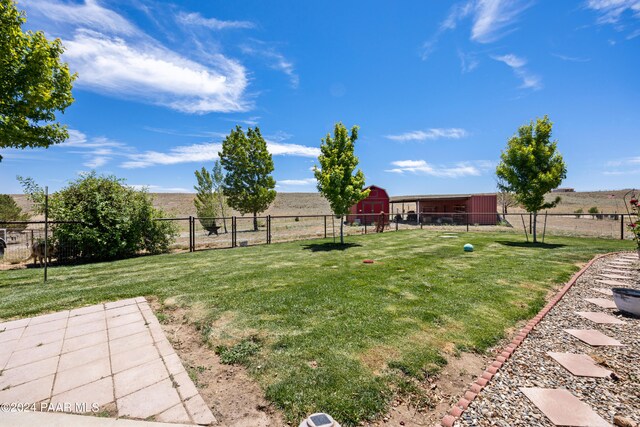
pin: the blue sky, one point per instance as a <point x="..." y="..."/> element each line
<point x="436" y="87"/>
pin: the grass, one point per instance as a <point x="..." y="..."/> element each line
<point x="317" y="328"/>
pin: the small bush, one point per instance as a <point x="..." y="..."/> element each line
<point x="578" y="212"/>
<point x="112" y="220"/>
<point x="240" y="353"/>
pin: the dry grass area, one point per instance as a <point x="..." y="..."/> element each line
<point x="181" y="204"/>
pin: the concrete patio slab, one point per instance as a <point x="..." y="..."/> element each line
<point x="30" y="419"/>
<point x="563" y="408"/>
<point x="111" y="355"/>
<point x="603" y="291"/>
<point x="601" y="318"/>
<point x="580" y="365"/>
<point x="593" y="337"/>
<point x="601" y="302"/>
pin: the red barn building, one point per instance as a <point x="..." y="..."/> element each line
<point x="454" y="209"/>
<point x="365" y="210"/>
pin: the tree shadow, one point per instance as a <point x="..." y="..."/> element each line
<point x="531" y="244"/>
<point x="329" y="246"/>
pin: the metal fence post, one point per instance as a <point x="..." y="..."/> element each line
<point x="268" y="229"/>
<point x="233" y="232"/>
<point x="396" y="224"/>
<point x="365" y="224"/>
<point x="190" y="233"/>
<point x="325" y="226"/>
<point x="466" y="215"/>
<point x="46" y="230"/>
<point x="622" y="227"/>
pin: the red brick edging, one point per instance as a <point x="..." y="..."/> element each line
<point x="491" y="370"/>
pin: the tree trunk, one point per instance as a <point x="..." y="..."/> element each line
<point x="224" y="220"/>
<point x="255" y="221"/>
<point x="342" y="230"/>
<point x="535" y="223"/>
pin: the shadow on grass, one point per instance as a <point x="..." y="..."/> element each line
<point x="531" y="244"/>
<point x="327" y="247"/>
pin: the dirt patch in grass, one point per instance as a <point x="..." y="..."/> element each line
<point x="234" y="398"/>
<point x="424" y="403"/>
<point x="376" y="358"/>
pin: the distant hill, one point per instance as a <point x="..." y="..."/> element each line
<point x="181" y="204"/>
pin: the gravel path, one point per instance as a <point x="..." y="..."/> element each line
<point x="501" y="403"/>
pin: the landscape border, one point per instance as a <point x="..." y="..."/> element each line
<point x="470" y="394"/>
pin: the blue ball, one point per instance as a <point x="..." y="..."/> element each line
<point x="468" y="247"/>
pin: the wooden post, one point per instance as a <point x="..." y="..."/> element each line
<point x="365" y="223"/>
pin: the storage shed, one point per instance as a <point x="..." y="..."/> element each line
<point x="365" y="211"/>
<point x="448" y="209"/>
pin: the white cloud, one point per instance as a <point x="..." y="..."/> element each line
<point x="429" y="134"/>
<point x="613" y="11"/>
<point x="493" y="17"/>
<point x="458" y="170"/>
<point x="297" y="182"/>
<point x="468" y="62"/>
<point x="115" y="58"/>
<point x="275" y="60"/>
<point x="570" y="58"/>
<point x="96" y="151"/>
<point x="212" y="23"/>
<point x="491" y="20"/>
<point x="155" y="74"/>
<point x="207" y="152"/>
<point x="88" y="14"/>
<point x="420" y="167"/>
<point x="517" y="64"/>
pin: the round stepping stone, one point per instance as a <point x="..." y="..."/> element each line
<point x="600" y="318"/>
<point x="593" y="337"/>
<point x="601" y="302"/>
<point x="563" y="408"/>
<point x="580" y="365"/>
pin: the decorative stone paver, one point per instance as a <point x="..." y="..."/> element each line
<point x="112" y="355"/>
<point x="580" y="365"/>
<point x="539" y="358"/>
<point x="615" y="276"/>
<point x="563" y="408"/>
<point x="614" y="283"/>
<point x="620" y="271"/>
<point x="598" y="317"/>
<point x="593" y="337"/>
<point x="603" y="291"/>
<point x="602" y="302"/>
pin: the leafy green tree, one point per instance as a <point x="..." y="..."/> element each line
<point x="110" y="219"/>
<point x="34" y="84"/>
<point x="205" y="201"/>
<point x="531" y="166"/>
<point x="10" y="211"/>
<point x="336" y="179"/>
<point x="248" y="184"/>
<point x="218" y="182"/>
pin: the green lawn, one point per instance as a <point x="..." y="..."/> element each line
<point x="333" y="334"/>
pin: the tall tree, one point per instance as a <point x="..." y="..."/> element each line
<point x="248" y="184"/>
<point x="336" y="179"/>
<point x="531" y="166"/>
<point x="34" y="84"/>
<point x="218" y="182"/>
<point x="205" y="201"/>
<point x="10" y="211"/>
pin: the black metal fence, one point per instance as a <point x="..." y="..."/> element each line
<point x="23" y="242"/>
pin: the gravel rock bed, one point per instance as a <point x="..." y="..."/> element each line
<point x="501" y="403"/>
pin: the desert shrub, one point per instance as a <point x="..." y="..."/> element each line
<point x="578" y="212"/>
<point x="112" y="220"/>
